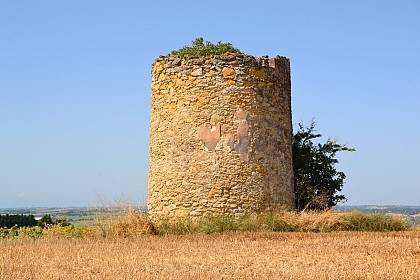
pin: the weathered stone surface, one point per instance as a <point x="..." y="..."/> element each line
<point x="228" y="72"/>
<point x="220" y="136"/>
<point x="197" y="72"/>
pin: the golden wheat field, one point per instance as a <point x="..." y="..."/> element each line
<point x="337" y="255"/>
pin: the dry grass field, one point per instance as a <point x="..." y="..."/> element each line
<point x="257" y="255"/>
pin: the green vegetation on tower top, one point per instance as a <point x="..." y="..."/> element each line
<point x="201" y="48"/>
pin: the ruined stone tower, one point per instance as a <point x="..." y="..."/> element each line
<point x="220" y="136"/>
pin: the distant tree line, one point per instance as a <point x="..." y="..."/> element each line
<point x="19" y="220"/>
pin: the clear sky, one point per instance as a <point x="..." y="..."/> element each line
<point x="75" y="89"/>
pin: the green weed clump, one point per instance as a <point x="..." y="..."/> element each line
<point x="266" y="222"/>
<point x="283" y="221"/>
<point x="276" y="221"/>
<point x="357" y="221"/>
<point x="201" y="48"/>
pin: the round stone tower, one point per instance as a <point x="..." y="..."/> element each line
<point x="220" y="136"/>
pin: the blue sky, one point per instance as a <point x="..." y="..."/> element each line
<point x="75" y="89"/>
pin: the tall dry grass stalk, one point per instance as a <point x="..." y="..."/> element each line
<point x="128" y="222"/>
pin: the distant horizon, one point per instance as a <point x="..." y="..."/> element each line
<point x="98" y="206"/>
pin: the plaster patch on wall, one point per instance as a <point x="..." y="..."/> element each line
<point x="242" y="147"/>
<point x="210" y="136"/>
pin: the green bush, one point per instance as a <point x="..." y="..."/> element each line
<point x="317" y="181"/>
<point x="45" y="221"/>
<point x="21" y="232"/>
<point x="199" y="48"/>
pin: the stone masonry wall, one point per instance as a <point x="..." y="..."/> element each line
<point x="220" y="136"/>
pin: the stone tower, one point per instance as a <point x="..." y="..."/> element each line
<point x="220" y="136"/>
